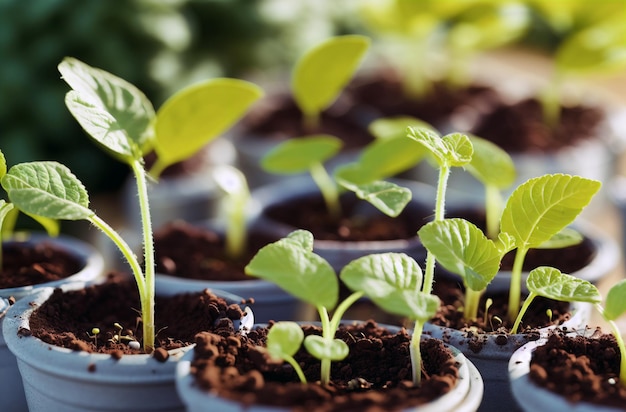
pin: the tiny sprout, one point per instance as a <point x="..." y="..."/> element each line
<point x="488" y="304"/>
<point x="94" y="335"/>
<point x="549" y="314"/>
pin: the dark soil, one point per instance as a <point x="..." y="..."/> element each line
<point x="452" y="296"/>
<point x="568" y="260"/>
<point x="376" y="376"/>
<point x="580" y="368"/>
<point x="520" y="128"/>
<point x="197" y="252"/>
<point x="27" y="263"/>
<point x="67" y="319"/>
<point x="279" y="118"/>
<point x="385" y="95"/>
<point x="359" y="221"/>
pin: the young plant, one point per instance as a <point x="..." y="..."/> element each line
<point x="614" y="307"/>
<point x="391" y="280"/>
<point x="536" y="215"/>
<point x="320" y="75"/>
<point x="309" y="154"/>
<point x="283" y="341"/>
<point x="122" y="121"/>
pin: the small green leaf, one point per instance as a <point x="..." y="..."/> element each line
<point x="392" y="281"/>
<point x="196" y="115"/>
<point x="321" y="348"/>
<point x="395" y="127"/>
<point x="320" y="75"/>
<point x="490" y="164"/>
<point x="47" y="189"/>
<point x="462" y="248"/>
<point x="3" y="165"/>
<point x="300" y="154"/>
<point x="389" y="198"/>
<point x="290" y="264"/>
<point x="615" y="304"/>
<point x="106" y="104"/>
<point x="450" y="150"/>
<point x="284" y="339"/>
<point x="543" y="206"/>
<point x="505" y="243"/>
<point x="565" y="238"/>
<point x="551" y="283"/>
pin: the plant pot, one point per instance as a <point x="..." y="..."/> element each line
<point x="60" y="379"/>
<point x="92" y="266"/>
<point x="278" y="119"/>
<point x="464" y="396"/>
<point x="531" y="396"/>
<point x="490" y="352"/>
<point x="340" y="252"/>
<point x="198" y="257"/>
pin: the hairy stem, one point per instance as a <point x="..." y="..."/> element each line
<point x="416" y="354"/>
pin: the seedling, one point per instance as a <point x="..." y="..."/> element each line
<point x="309" y="154"/>
<point x="320" y="75"/>
<point x="122" y="121"/>
<point x="283" y="341"/>
<point x="94" y="335"/>
<point x="391" y="280"/>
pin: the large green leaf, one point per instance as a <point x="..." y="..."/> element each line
<point x="543" y="206"/>
<point x="300" y="154"/>
<point x="47" y="189"/>
<point x="551" y="283"/>
<point x="392" y="281"/>
<point x="291" y="264"/>
<point x="462" y="248"/>
<point x="615" y="304"/>
<point x="454" y="149"/>
<point x="97" y="92"/>
<point x="389" y="198"/>
<point x="193" y="117"/>
<point x="490" y="164"/>
<point x="320" y="75"/>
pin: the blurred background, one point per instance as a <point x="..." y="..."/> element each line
<point x="163" y="45"/>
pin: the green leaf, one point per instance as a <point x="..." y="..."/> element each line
<point x="450" y="150"/>
<point x="97" y="92"/>
<point x="290" y="264"/>
<point x="395" y="127"/>
<point x="392" y="281"/>
<point x="543" y="206"/>
<point x="490" y="164"/>
<point x="284" y="339"/>
<point x="462" y="248"/>
<point x="389" y="198"/>
<point x="5" y="208"/>
<point x="615" y="304"/>
<point x="505" y="243"/>
<point x="321" y="348"/>
<point x="3" y="165"/>
<point x="47" y="189"/>
<point x="551" y="283"/>
<point x="193" y="117"/>
<point x="300" y="154"/>
<point x="566" y="237"/>
<point x="320" y="75"/>
<point x="600" y="48"/>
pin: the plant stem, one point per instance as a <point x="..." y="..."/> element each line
<point x="157" y="168"/>
<point x="311" y="121"/>
<point x="326" y="334"/>
<point x="620" y="345"/>
<point x="236" y="234"/>
<point x="341" y="309"/>
<point x="329" y="190"/>
<point x="147" y="305"/>
<point x="296" y="367"/>
<point x="550" y="103"/>
<point x="429" y="273"/>
<point x="522" y="311"/>
<point x="472" y="301"/>
<point x="493" y="210"/>
<point x="515" y="288"/>
<point x="416" y="354"/>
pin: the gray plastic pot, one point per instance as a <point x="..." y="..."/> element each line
<point x="11" y="390"/>
<point x="531" y="397"/>
<point x="62" y="380"/>
<point x="340" y="253"/>
<point x="492" y="358"/>
<point x="466" y="396"/>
